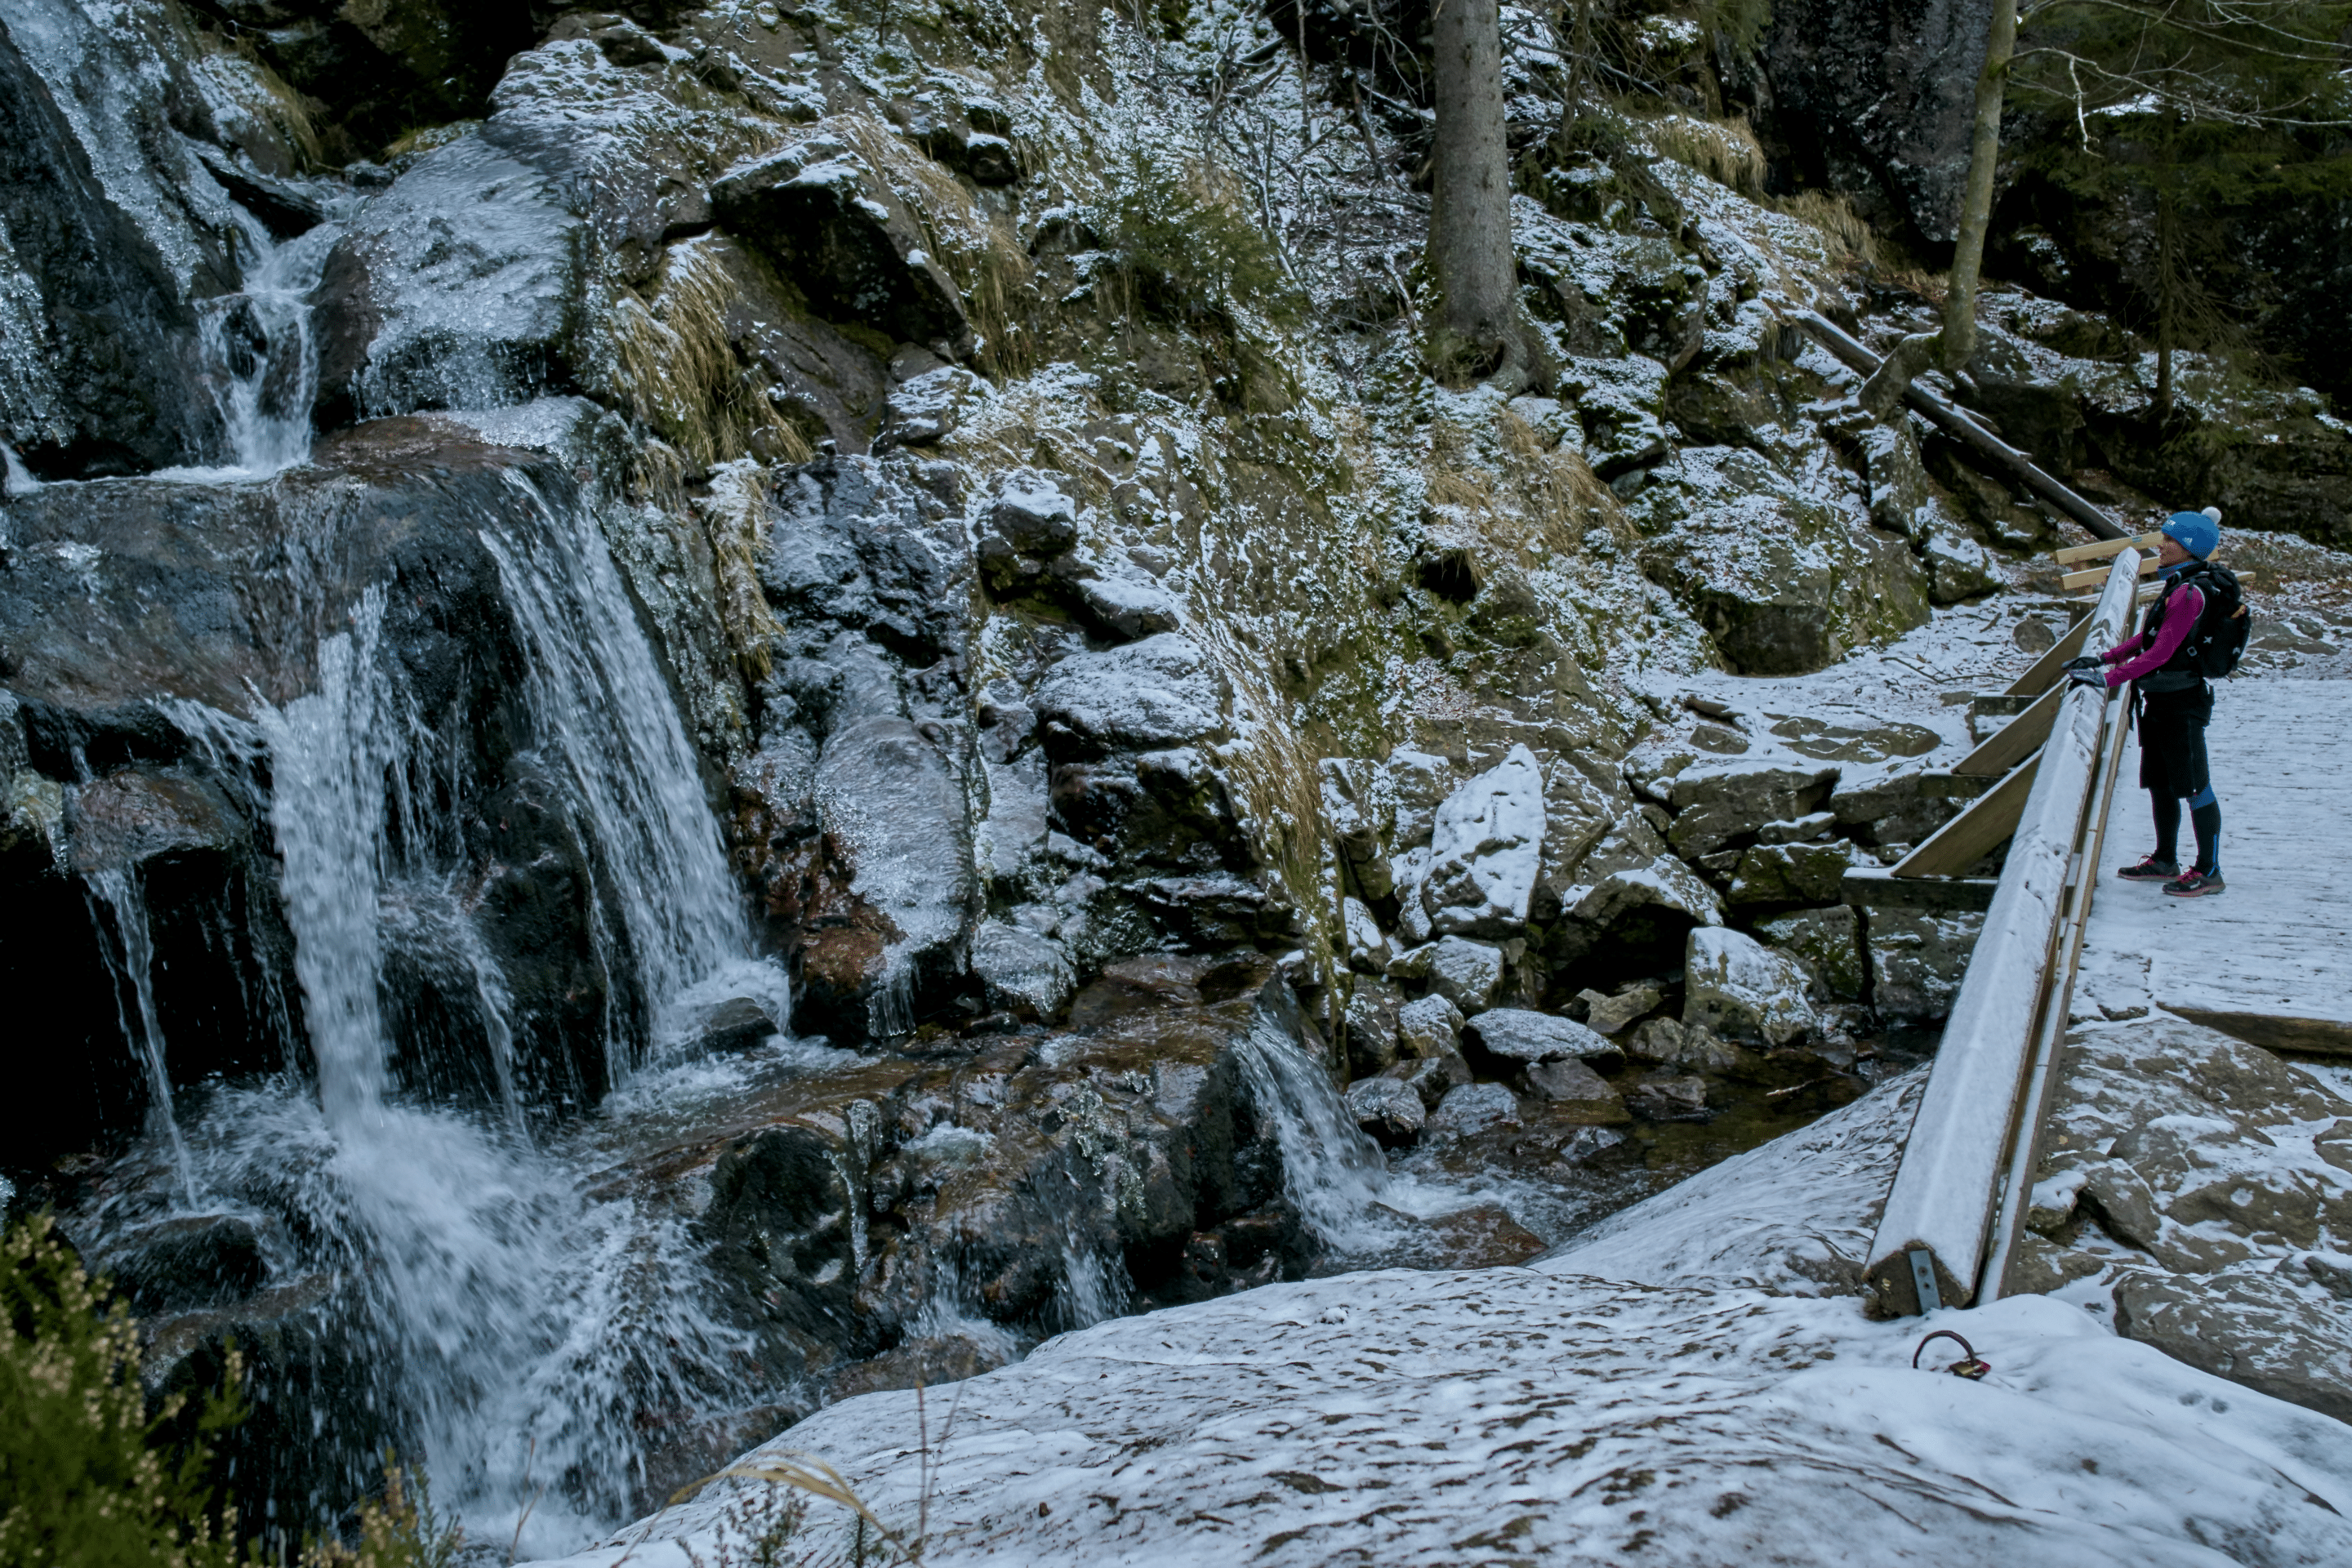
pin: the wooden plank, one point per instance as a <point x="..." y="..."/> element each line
<point x="2104" y="548"/>
<point x="2045" y="670"/>
<point x="1876" y="888"/>
<point x="2295" y="1036"/>
<point x="1959" y="425"/>
<point x="1969" y="837"/>
<point x="1938" y="1214"/>
<point x="2095" y="575"/>
<point x="2015" y="741"/>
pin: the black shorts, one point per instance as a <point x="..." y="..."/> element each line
<point x="2172" y="742"/>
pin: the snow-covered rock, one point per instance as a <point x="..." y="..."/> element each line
<point x="1131" y="609"/>
<point x="1485" y="847"/>
<point x="1917" y="959"/>
<point x="1466" y="973"/>
<point x="1390" y="1110"/>
<point x="1408" y="1417"/>
<point x="1516" y="1036"/>
<point x="1739" y="988"/>
<point x="1428" y="1027"/>
<point x="1162" y="691"/>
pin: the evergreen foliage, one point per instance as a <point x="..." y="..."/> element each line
<point x="93" y="1475"/>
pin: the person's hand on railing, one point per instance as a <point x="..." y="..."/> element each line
<point x="2090" y="679"/>
<point x="2088" y="661"/>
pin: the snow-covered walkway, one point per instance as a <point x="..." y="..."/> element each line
<point x="2278" y="944"/>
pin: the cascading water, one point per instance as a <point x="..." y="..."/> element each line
<point x="516" y="1327"/>
<point x="141" y="1022"/>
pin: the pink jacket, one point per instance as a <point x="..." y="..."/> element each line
<point x="2148" y="652"/>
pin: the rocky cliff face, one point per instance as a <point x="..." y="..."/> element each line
<point x="903" y="500"/>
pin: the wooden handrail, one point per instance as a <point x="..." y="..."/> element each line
<point x="1932" y="1235"/>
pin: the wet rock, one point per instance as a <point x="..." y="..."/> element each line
<point x="188" y="1264"/>
<point x="1791" y="874"/>
<point x="736" y="1024"/>
<point x="135" y="815"/>
<point x="926" y="1363"/>
<point x="2257" y="1329"/>
<point x="1739" y="988"/>
<point x="1023" y="970"/>
<point x="1161" y="691"/>
<point x="1565" y="1080"/>
<point x="1669" y="1098"/>
<point x="1506" y="1038"/>
<point x="1473" y="1108"/>
<point x="1484" y="851"/>
<point x="1631" y="905"/>
<point x="1428" y="1027"/>
<point x="1431" y="1078"/>
<point x="1670" y="1043"/>
<point x="837" y="230"/>
<point x="1608" y="1015"/>
<point x="1466" y="973"/>
<point x="1829" y="943"/>
<point x="1918" y="960"/>
<point x="1373" y="1024"/>
<point x="1390" y="1110"/>
<point x="1715" y="803"/>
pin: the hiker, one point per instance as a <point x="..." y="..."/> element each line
<point x="2165" y="661"/>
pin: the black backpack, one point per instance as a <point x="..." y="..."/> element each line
<point x="2219" y="637"/>
<point x="2219" y="641"/>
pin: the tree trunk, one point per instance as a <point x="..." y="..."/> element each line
<point x="1470" y="252"/>
<point x="1956" y="342"/>
<point x="2167" y="283"/>
<point x="1976" y="201"/>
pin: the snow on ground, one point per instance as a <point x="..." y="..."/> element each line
<point x="1512" y="1416"/>
<point x="1540" y="1415"/>
<point x="1793" y="1216"/>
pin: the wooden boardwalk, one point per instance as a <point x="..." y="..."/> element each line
<point x="2270" y="961"/>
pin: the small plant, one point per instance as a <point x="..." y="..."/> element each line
<point x="398" y="1530"/>
<point x="1189" y="252"/>
<point x="84" y="1480"/>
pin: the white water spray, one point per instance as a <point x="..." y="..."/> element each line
<point x="134" y="972"/>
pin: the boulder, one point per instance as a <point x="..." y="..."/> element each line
<point x="1917" y="961"/>
<point x="1510" y="1038"/>
<point x="1829" y="942"/>
<point x="1691" y="1047"/>
<point x="1902" y="809"/>
<point x="1130" y="609"/>
<point x="1717" y="802"/>
<point x="1033" y="517"/>
<point x="1388" y="1109"/>
<point x="1741" y="989"/>
<point x="1464" y="973"/>
<point x="1022" y="971"/>
<point x="1374" y="1032"/>
<point x="1161" y="691"/>
<point x="1431" y="1078"/>
<point x="1368" y="946"/>
<point x="1669" y="1098"/>
<point x="927" y="407"/>
<point x="1429" y="1026"/>
<point x="1791" y="874"/>
<point x="1473" y="1108"/>
<point x="1568" y="1081"/>
<point x="1607" y="1014"/>
<point x="1485" y="847"/>
<point x="1958" y="568"/>
<point x="2258" y="1329"/>
<point x="837" y="230"/>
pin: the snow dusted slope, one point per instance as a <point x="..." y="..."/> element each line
<point x="1512" y="1416"/>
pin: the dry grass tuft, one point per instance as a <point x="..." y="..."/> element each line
<point x="675" y="368"/>
<point x="1724" y="151"/>
<point x="1850" y="235"/>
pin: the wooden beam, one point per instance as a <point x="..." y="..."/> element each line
<point x="1876" y="888"/>
<point x="1962" y="426"/>
<point x="2104" y="548"/>
<point x="2095" y="576"/>
<point x="2015" y="741"/>
<point x="1969" y="837"/>
<point x="2045" y="671"/>
<point x="2302" y="1037"/>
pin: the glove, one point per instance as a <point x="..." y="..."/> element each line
<point x="2088" y="661"/>
<point x="2090" y="679"/>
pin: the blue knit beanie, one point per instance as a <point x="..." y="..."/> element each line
<point x="2197" y="531"/>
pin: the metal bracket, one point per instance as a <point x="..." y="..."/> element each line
<point x="1923" y="1280"/>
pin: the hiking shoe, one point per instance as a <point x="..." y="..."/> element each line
<point x="2196" y="885"/>
<point x="2151" y="870"/>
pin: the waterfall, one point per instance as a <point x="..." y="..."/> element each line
<point x="1331" y="1172"/>
<point x="134" y="972"/>
<point x="261" y="366"/>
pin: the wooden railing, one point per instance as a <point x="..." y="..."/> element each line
<point x="1951" y="1215"/>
